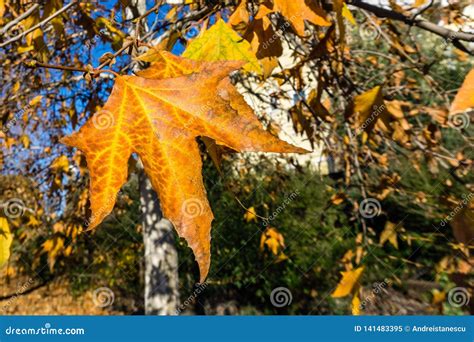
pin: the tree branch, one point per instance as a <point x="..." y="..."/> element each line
<point x="18" y="19"/>
<point x="36" y="64"/>
<point x="41" y="24"/>
<point x="450" y="35"/>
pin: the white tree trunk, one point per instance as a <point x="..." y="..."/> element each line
<point x="161" y="255"/>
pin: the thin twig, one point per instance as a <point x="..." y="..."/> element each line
<point x="18" y="19"/>
<point x="423" y="10"/>
<point x="451" y="36"/>
<point x="36" y="64"/>
<point x="122" y="49"/>
<point x="40" y="24"/>
<point x="147" y="13"/>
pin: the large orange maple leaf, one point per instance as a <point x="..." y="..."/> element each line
<point x="158" y="116"/>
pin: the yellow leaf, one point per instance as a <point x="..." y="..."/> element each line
<point x="35" y="38"/>
<point x="9" y="142"/>
<point x="281" y="257"/>
<point x="10" y="272"/>
<point x="16" y="86"/>
<point x="356" y="304"/>
<point x="104" y="22"/>
<point x="221" y="43"/>
<point x="464" y="99"/>
<point x="370" y="108"/>
<point x="438" y="296"/>
<point x="68" y="250"/>
<point x="338" y="198"/>
<point x="6" y="239"/>
<point x="27" y="48"/>
<point x="53" y="247"/>
<point x="240" y="15"/>
<point x="250" y="215"/>
<point x="32" y="221"/>
<point x="298" y="11"/>
<point x="60" y="164"/>
<point x="346" y="13"/>
<point x="274" y="241"/>
<point x="168" y="114"/>
<point x="2" y="8"/>
<point x="35" y="100"/>
<point x="419" y="3"/>
<point x="171" y="14"/>
<point x="389" y="234"/>
<point x="214" y="151"/>
<point x="348" y="282"/>
<point x="25" y="140"/>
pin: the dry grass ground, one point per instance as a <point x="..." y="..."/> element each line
<point x="53" y="298"/>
